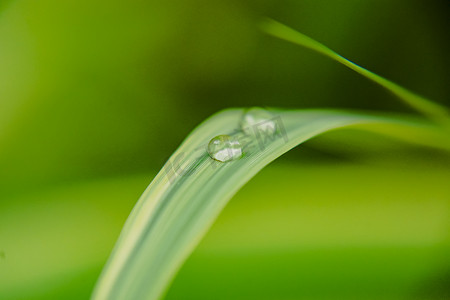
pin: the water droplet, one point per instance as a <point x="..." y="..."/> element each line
<point x="257" y="118"/>
<point x="224" y="148"/>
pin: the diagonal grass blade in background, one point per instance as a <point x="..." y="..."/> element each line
<point x="419" y="103"/>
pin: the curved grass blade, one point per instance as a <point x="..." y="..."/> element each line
<point x="419" y="103"/>
<point x="187" y="195"/>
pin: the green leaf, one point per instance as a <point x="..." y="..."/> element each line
<point x="421" y="104"/>
<point x="187" y="195"/>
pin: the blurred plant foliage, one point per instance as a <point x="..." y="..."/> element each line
<point x="95" y="95"/>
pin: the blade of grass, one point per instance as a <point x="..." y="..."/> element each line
<point x="419" y="103"/>
<point x="178" y="207"/>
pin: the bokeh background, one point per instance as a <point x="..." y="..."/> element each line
<point x="96" y="95"/>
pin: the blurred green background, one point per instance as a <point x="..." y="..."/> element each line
<point x="96" y="95"/>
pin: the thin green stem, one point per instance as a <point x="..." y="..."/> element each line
<point x="425" y="106"/>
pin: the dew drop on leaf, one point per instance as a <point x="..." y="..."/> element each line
<point x="224" y="148"/>
<point x="257" y="118"/>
